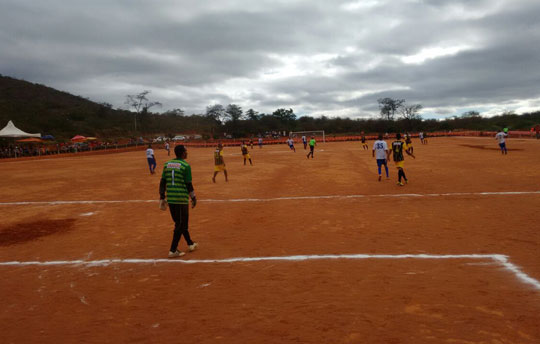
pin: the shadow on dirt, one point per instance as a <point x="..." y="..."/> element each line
<point x="27" y="231"/>
<point x="489" y="148"/>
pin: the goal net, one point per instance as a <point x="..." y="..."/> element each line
<point x="308" y="134"/>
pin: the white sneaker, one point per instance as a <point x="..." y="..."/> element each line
<point x="193" y="247"/>
<point x="176" y="254"/>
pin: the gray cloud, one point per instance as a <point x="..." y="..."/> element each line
<point x="318" y="57"/>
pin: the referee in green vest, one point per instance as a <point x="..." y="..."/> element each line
<point x="176" y="183"/>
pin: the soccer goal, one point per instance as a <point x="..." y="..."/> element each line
<point x="308" y="134"/>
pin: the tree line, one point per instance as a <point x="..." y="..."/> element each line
<point x="37" y="108"/>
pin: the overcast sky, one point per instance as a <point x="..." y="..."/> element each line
<point x="317" y="57"/>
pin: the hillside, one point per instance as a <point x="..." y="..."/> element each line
<point x="38" y="108"/>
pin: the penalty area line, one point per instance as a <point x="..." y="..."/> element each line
<point x="499" y="259"/>
<point x="286" y="198"/>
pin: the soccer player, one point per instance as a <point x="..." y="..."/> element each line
<point x="398" y="147"/>
<point x="408" y="144"/>
<point x="176" y="183"/>
<point x="425" y="138"/>
<point x="304" y="141"/>
<point x="501" y="136"/>
<point x="290" y="142"/>
<point x="168" y="148"/>
<point x="219" y="163"/>
<point x="421" y="136"/>
<point x="312" y="144"/>
<point x="260" y="142"/>
<point x="364" y="144"/>
<point x="251" y="143"/>
<point x="380" y="152"/>
<point x="245" y="153"/>
<point x="151" y="159"/>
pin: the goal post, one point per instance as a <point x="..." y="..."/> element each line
<point x="308" y="134"/>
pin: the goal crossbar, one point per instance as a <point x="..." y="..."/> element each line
<point x="308" y="133"/>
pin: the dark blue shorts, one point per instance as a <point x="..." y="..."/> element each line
<point x="502" y="145"/>
<point x="381" y="162"/>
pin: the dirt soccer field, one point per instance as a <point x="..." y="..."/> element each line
<point x="291" y="250"/>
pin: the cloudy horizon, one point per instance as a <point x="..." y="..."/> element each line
<point x="333" y="58"/>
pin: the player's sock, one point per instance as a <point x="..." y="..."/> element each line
<point x="386" y="170"/>
<point x="403" y="174"/>
<point x="379" y="169"/>
<point x="400" y="174"/>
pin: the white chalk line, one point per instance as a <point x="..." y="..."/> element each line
<point x="500" y="259"/>
<point x="288" y="198"/>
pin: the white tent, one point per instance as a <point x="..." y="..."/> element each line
<point x="10" y="130"/>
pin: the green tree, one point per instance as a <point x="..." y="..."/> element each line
<point x="233" y="112"/>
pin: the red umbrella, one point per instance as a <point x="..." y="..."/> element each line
<point x="78" y="138"/>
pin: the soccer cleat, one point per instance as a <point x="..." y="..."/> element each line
<point x="176" y="254"/>
<point x="379" y="178"/>
<point x="193" y="247"/>
<point x="400" y="183"/>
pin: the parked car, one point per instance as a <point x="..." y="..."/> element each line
<point x="179" y="138"/>
<point x="159" y="139"/>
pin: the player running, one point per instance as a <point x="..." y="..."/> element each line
<point x="380" y="152"/>
<point x="304" y="141"/>
<point x="290" y="142"/>
<point x="363" y="139"/>
<point x="245" y="153"/>
<point x="398" y="147"/>
<point x="408" y="143"/>
<point x="312" y="144"/>
<point x="501" y="136"/>
<point x="176" y="183"/>
<point x="219" y="163"/>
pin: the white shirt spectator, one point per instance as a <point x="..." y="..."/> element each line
<point x="149" y="153"/>
<point x="380" y="147"/>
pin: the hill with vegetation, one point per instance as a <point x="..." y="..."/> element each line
<point x="40" y="109"/>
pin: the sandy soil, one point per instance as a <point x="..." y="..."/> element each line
<point x="310" y="301"/>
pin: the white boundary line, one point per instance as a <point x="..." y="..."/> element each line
<point x="502" y="193"/>
<point x="499" y="259"/>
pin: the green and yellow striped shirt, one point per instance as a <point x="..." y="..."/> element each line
<point x="177" y="173"/>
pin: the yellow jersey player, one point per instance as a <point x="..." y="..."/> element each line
<point x="245" y="153"/>
<point x="363" y="139"/>
<point x="219" y="163"/>
<point x="408" y="143"/>
<point x="397" y="149"/>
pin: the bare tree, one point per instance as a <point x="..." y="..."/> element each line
<point x="140" y="103"/>
<point x="389" y="106"/>
<point x="410" y="112"/>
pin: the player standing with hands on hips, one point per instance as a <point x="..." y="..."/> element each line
<point x="151" y="159"/>
<point x="176" y="184"/>
<point x="380" y="152"/>
<point x="312" y="144"/>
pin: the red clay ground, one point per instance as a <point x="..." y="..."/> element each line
<point x="313" y="301"/>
